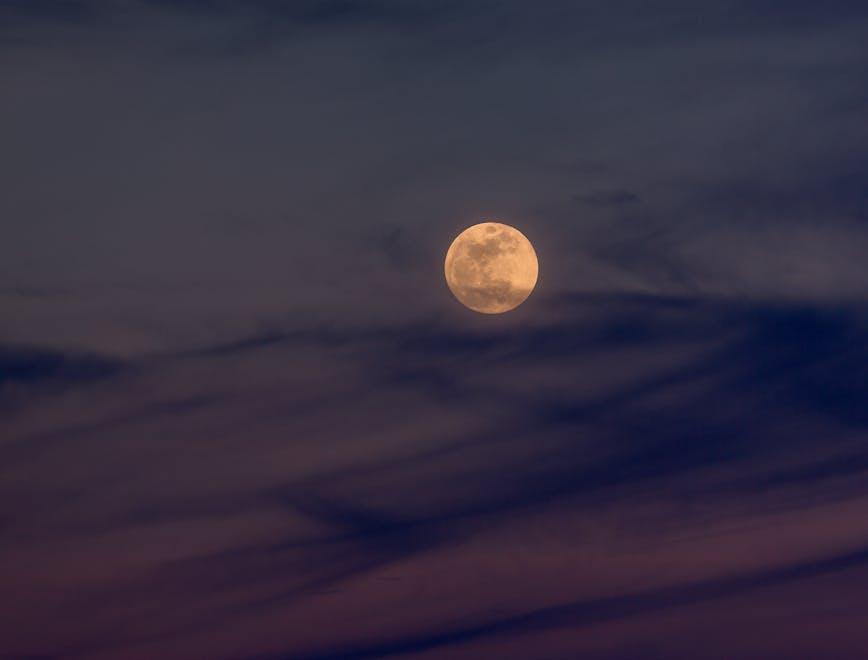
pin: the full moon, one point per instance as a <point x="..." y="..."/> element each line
<point x="491" y="267"/>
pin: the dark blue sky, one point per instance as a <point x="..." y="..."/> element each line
<point x="241" y="415"/>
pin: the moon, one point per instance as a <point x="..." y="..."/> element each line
<point x="491" y="268"/>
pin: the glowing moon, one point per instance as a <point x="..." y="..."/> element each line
<point x="491" y="267"/>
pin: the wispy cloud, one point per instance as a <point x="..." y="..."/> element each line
<point x="304" y="461"/>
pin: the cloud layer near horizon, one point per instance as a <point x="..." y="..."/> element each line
<point x="632" y="456"/>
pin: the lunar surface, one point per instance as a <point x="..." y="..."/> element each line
<point x="491" y="268"/>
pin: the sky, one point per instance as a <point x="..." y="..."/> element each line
<point x="242" y="416"/>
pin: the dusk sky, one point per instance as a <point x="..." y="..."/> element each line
<point x="242" y="416"/>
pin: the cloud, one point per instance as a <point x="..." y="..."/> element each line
<point x="586" y="613"/>
<point x="36" y="366"/>
<point x="302" y="463"/>
<point x="320" y="14"/>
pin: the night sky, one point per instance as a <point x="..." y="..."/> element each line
<point x="242" y="415"/>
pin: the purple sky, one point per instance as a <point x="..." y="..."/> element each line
<point x="241" y="415"/>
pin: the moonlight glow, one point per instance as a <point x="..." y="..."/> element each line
<point x="491" y="267"/>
